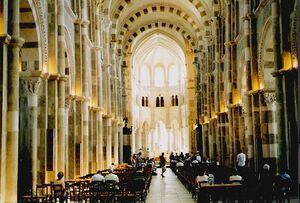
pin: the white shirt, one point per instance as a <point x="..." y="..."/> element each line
<point x="200" y="179"/>
<point x="97" y="177"/>
<point x="241" y="159"/>
<point x="235" y="178"/>
<point x="179" y="164"/>
<point x="195" y="161"/>
<point x="112" y="176"/>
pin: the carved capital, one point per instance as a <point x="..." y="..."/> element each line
<point x="244" y="109"/>
<point x="31" y="85"/>
<point x="105" y="23"/>
<point x="270" y="98"/>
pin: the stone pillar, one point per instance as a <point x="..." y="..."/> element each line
<point x="282" y="163"/>
<point x="152" y="139"/>
<point x="12" y="130"/>
<point x="31" y="86"/>
<point x="116" y="143"/>
<point x="120" y="143"/>
<point x="138" y="140"/>
<point x="246" y="107"/>
<point x="108" y="115"/>
<point x="68" y="144"/>
<point x="108" y="141"/>
<point x="85" y="87"/>
<point x="99" y="147"/>
<point x="100" y="141"/>
<point x="61" y="127"/>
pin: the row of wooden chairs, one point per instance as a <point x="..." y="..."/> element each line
<point x="132" y="186"/>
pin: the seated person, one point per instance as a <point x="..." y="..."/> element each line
<point x="202" y="177"/>
<point x="235" y="177"/>
<point x="198" y="157"/>
<point x="59" y="180"/>
<point x="266" y="180"/>
<point x="179" y="164"/>
<point x="282" y="182"/>
<point x="139" y="172"/>
<point x="59" y="187"/>
<point x="112" y="166"/>
<point x="112" y="177"/>
<point x="98" y="177"/>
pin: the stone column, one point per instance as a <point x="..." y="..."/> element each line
<point x="85" y="87"/>
<point x="120" y="142"/>
<point x="61" y="127"/>
<point x="116" y="143"/>
<point x="99" y="147"/>
<point x="108" y="141"/>
<point x="282" y="163"/>
<point x="31" y="86"/>
<point x="67" y="145"/>
<point x="138" y="142"/>
<point x="152" y="139"/>
<point x="100" y="141"/>
<point x="108" y="116"/>
<point x="246" y="108"/>
<point x="12" y="128"/>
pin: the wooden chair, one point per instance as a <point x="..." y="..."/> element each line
<point x="58" y="193"/>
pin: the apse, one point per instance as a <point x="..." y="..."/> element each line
<point x="159" y="86"/>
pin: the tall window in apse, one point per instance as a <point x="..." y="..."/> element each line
<point x="157" y="101"/>
<point x="162" y="103"/>
<point x="173" y="100"/>
<point x="146" y="103"/>
<point x="159" y="80"/>
<point x="143" y="102"/>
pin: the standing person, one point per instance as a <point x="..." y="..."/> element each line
<point x="162" y="164"/>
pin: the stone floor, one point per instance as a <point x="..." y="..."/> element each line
<point x="168" y="189"/>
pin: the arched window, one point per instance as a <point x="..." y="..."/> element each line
<point x="145" y="79"/>
<point x="157" y="101"/>
<point x="173" y="75"/>
<point x="162" y="103"/>
<point x="159" y="76"/>
<point x="146" y="101"/>
<point x="173" y="100"/>
<point x="143" y="101"/>
<point x="176" y="100"/>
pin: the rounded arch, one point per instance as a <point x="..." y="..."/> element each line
<point x="34" y="51"/>
<point x="265" y="56"/>
<point x="70" y="60"/>
<point x="42" y="30"/>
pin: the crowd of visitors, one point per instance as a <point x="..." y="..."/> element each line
<point x="194" y="171"/>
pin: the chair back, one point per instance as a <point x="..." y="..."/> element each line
<point x="58" y="192"/>
<point x="96" y="186"/>
<point x="110" y="185"/>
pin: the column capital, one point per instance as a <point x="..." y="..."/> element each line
<point x="63" y="78"/>
<point x="228" y="2"/>
<point x="105" y="65"/>
<point x="31" y="84"/>
<point x="270" y="98"/>
<point x="16" y="41"/>
<point x="5" y="38"/>
<point x="54" y="76"/>
<point x="105" y="23"/>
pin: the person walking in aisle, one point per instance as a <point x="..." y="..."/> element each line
<point x="162" y="164"/>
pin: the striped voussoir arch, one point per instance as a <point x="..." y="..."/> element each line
<point x="155" y="25"/>
<point x="121" y="7"/>
<point x="29" y="30"/>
